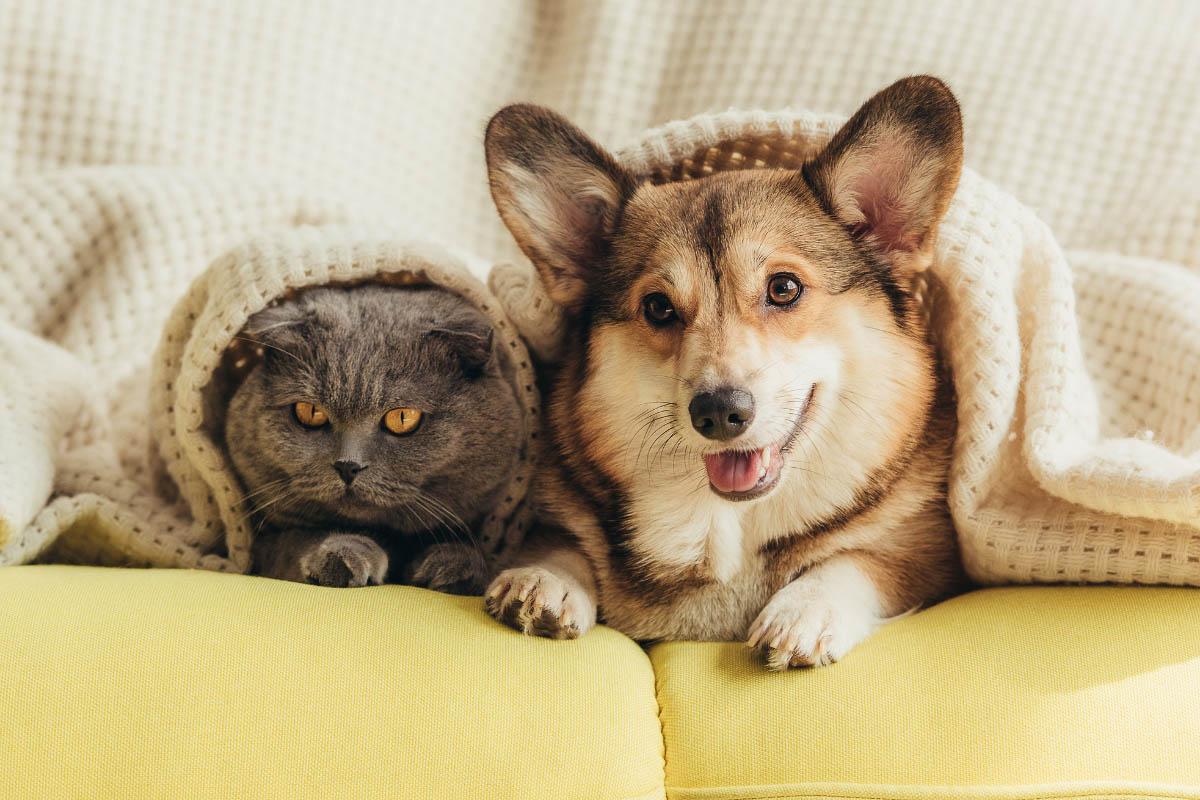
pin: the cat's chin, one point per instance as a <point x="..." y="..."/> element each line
<point x="331" y="511"/>
<point x="361" y="511"/>
<point x="401" y="509"/>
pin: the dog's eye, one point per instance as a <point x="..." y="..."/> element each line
<point x="658" y="309"/>
<point x="783" y="289"/>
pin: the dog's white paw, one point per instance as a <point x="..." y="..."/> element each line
<point x="536" y="601"/>
<point x="817" y="618"/>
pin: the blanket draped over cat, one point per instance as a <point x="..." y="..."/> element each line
<point x="180" y="504"/>
<point x="1078" y="452"/>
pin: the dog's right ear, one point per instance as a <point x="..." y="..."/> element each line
<point x="889" y="173"/>
<point x="558" y="192"/>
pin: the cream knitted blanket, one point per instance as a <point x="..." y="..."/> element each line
<point x="140" y="141"/>
<point x="179" y="503"/>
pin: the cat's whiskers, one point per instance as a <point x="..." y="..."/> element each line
<point x="277" y="348"/>
<point x="266" y="487"/>
<point x="438" y="521"/>
<point x="423" y="514"/>
<point x="446" y="512"/>
<point x="287" y="494"/>
<point x="458" y="529"/>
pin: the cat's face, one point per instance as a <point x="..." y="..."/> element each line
<point x="375" y="407"/>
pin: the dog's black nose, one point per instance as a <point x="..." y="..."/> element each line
<point x="348" y="470"/>
<point x="722" y="414"/>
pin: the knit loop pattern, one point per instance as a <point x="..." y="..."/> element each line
<point x="167" y="494"/>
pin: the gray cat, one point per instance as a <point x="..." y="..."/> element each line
<point x="374" y="435"/>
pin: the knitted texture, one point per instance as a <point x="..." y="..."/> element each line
<point x="140" y="141"/>
<point x="182" y="505"/>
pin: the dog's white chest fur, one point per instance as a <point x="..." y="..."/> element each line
<point x="680" y="529"/>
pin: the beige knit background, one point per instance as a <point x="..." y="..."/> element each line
<point x="142" y="139"/>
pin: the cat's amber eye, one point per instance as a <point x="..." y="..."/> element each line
<point x="309" y="415"/>
<point x="402" y="420"/>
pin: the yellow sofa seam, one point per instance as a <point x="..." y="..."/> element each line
<point x="662" y="729"/>
<point x="657" y="793"/>
<point x="818" y="791"/>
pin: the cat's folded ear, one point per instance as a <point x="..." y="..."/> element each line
<point x="276" y="325"/>
<point x="473" y="346"/>
<point x="889" y="173"/>
<point x="559" y="193"/>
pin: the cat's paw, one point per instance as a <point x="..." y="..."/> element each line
<point x="345" y="560"/>
<point x="812" y="623"/>
<point x="451" y="567"/>
<point x="536" y="601"/>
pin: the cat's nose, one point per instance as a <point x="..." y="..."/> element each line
<point x="348" y="469"/>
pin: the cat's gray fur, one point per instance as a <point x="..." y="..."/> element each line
<point x="409" y="515"/>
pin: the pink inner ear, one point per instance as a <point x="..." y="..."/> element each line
<point x="885" y="216"/>
<point x="584" y="218"/>
<point x="886" y="187"/>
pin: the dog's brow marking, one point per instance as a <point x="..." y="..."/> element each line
<point x="760" y="257"/>
<point x="709" y="233"/>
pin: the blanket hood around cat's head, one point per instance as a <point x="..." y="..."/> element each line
<point x="202" y="358"/>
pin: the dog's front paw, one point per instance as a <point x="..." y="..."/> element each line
<point x="536" y="601"/>
<point x="345" y="560"/>
<point x="449" y="567"/>
<point x="814" y="621"/>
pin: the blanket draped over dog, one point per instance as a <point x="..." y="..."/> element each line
<point x="143" y="144"/>
<point x="1077" y="456"/>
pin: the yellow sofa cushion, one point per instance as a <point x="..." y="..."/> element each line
<point x="1000" y="694"/>
<point x="177" y="684"/>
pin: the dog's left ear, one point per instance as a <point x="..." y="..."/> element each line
<point x="558" y="192"/>
<point x="889" y="173"/>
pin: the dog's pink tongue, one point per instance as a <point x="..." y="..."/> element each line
<point x="733" y="472"/>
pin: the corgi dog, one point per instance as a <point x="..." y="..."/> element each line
<point x="749" y="437"/>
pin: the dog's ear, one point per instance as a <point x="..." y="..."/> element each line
<point x="558" y="192"/>
<point x="889" y="173"/>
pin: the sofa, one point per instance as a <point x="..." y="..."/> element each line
<point x="190" y="684"/>
<point x="179" y="683"/>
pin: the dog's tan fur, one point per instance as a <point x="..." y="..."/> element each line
<point x="856" y="530"/>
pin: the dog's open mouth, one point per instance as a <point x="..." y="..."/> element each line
<point x="744" y="474"/>
<point x="747" y="474"/>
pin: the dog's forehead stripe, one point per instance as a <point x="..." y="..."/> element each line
<point x="714" y="236"/>
<point x="710" y="231"/>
